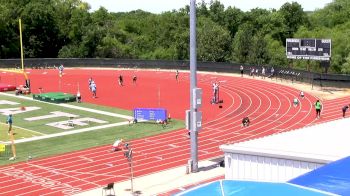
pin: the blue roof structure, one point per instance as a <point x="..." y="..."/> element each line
<point x="244" y="188"/>
<point x="333" y="178"/>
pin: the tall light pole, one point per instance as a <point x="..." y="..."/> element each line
<point x="128" y="155"/>
<point x="193" y="85"/>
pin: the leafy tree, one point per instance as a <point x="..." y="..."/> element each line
<point x="40" y="31"/>
<point x="233" y="19"/>
<point x="213" y="41"/>
<point x="216" y="12"/>
<point x="258" y="53"/>
<point x="242" y="43"/>
<point x="9" y="39"/>
<point x="202" y="10"/>
<point x="110" y="47"/>
<point x="335" y="13"/>
<point x="293" y="16"/>
<point x="346" y="66"/>
<point x="276" y="52"/>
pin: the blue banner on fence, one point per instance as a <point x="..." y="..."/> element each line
<point x="156" y="114"/>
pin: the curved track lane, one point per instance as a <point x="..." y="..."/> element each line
<point x="268" y="105"/>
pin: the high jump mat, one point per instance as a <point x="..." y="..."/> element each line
<point x="55" y="97"/>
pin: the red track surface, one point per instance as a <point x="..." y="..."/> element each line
<point x="268" y="105"/>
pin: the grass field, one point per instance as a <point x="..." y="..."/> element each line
<point x="19" y="132"/>
<point x="57" y="145"/>
<point x="45" y="109"/>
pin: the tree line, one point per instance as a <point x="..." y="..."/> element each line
<point x="68" y="29"/>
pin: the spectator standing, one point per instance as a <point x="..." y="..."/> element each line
<point x="272" y="72"/>
<point x="241" y="68"/>
<point x="263" y="72"/>
<point x="177" y="75"/>
<point x="252" y="72"/>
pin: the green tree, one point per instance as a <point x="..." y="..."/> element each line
<point x="242" y="43"/>
<point x="233" y="19"/>
<point x="40" y="30"/>
<point x="335" y="13"/>
<point x="216" y="12"/>
<point x="213" y="41"/>
<point x="258" y="53"/>
<point x="346" y="66"/>
<point x="9" y="39"/>
<point x="276" y="52"/>
<point x="293" y="16"/>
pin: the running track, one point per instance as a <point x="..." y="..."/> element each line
<point x="268" y="105"/>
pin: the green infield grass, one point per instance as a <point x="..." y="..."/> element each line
<point x="45" y="109"/>
<point x="68" y="143"/>
<point x="18" y="132"/>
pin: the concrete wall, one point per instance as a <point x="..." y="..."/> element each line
<point x="261" y="168"/>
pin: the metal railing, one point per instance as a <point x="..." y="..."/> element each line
<point x="225" y="67"/>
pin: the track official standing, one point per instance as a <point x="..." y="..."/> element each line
<point x="60" y="69"/>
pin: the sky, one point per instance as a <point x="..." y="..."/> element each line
<point x="159" y="6"/>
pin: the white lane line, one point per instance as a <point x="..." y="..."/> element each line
<point x="71" y="106"/>
<point x="69" y="132"/>
<point x="25" y="129"/>
<point x="95" y="111"/>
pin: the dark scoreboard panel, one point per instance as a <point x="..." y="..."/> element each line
<point x="315" y="49"/>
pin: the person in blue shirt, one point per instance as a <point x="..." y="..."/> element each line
<point x="9" y="121"/>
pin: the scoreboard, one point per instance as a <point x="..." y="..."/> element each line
<point x="145" y="114"/>
<point x="313" y="49"/>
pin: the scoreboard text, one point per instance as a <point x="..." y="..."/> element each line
<point x="314" y="49"/>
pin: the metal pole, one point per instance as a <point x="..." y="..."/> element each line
<point x="20" y="39"/>
<point x="193" y="85"/>
<point x="132" y="176"/>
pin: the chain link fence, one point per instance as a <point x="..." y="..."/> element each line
<point x="292" y="75"/>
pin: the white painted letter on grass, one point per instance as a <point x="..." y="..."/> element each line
<point x="5" y="102"/>
<point x="7" y="111"/>
<point x="54" y="114"/>
<point x="70" y="124"/>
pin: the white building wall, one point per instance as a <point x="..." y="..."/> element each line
<point x="261" y="168"/>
